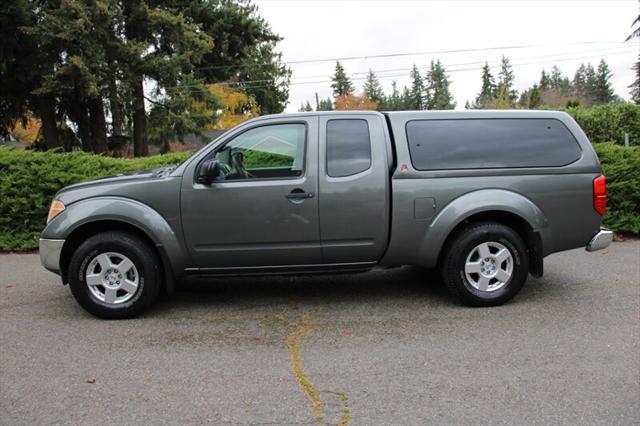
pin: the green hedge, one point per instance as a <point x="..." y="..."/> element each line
<point x="621" y="166"/>
<point x="257" y="159"/>
<point x="29" y="180"/>
<point x="603" y="123"/>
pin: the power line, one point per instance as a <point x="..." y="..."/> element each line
<point x="448" y="71"/>
<point x="250" y="84"/>
<point x="561" y="57"/>
<point x="439" y="52"/>
<point x="401" y="54"/>
<point x="478" y="62"/>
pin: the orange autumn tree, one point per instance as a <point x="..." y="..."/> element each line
<point x="27" y="133"/>
<point x="237" y="106"/>
<point x="355" y="102"/>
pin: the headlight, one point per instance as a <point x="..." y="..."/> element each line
<point x="56" y="208"/>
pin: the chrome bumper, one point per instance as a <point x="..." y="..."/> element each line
<point x="50" y="254"/>
<point x="601" y="240"/>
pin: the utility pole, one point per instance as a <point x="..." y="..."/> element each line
<point x="317" y="102"/>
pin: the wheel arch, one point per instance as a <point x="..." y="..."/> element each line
<point x="531" y="238"/>
<point x="495" y="205"/>
<point x="81" y="233"/>
<point x="85" y="218"/>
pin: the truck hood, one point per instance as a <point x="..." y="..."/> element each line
<point x="120" y="179"/>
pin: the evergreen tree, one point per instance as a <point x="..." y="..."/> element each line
<point x="407" y="102"/>
<point x="531" y="98"/>
<point x="305" y="107"/>
<point x="544" y="80"/>
<point x="583" y="84"/>
<point x="80" y="59"/>
<point x="438" y="95"/>
<point x="325" y="105"/>
<point x="373" y="88"/>
<point x="392" y="102"/>
<point x="163" y="45"/>
<point x="272" y="94"/>
<point x="416" y="96"/>
<point x="556" y="77"/>
<point x="505" y="92"/>
<point x="580" y="81"/>
<point x="635" y="86"/>
<point x="488" y="89"/>
<point x="341" y="84"/>
<point x="590" y="82"/>
<point x="558" y="80"/>
<point x="244" y="49"/>
<point x="25" y="61"/>
<point x="603" y="89"/>
<point x="535" y="99"/>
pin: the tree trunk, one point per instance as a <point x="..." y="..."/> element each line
<point x="166" y="146"/>
<point x="140" y="145"/>
<point x="47" y="110"/>
<point x="117" y="116"/>
<point x="135" y="13"/>
<point x="98" y="125"/>
<point x="79" y="114"/>
<point x="84" y="126"/>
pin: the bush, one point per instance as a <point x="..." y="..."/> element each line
<point x="621" y="166"/>
<point x="29" y="180"/>
<point x="606" y="123"/>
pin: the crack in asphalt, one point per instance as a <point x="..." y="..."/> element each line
<point x="303" y="379"/>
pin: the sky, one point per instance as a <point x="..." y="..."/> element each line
<point x="562" y="32"/>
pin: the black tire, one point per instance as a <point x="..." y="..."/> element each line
<point x="147" y="271"/>
<point x="464" y="245"/>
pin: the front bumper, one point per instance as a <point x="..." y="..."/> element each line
<point x="50" y="254"/>
<point x="601" y="240"/>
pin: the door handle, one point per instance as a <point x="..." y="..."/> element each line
<point x="299" y="194"/>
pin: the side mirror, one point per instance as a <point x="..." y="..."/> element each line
<point x="209" y="171"/>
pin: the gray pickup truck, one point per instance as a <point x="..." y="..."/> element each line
<point x="483" y="196"/>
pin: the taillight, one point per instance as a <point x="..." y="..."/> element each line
<point x="600" y="195"/>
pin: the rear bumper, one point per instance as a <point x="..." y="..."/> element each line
<point x="50" y="254"/>
<point x="601" y="240"/>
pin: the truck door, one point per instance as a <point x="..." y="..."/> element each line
<point x="354" y="188"/>
<point x="263" y="210"/>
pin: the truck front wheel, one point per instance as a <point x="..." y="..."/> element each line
<point x="114" y="275"/>
<point x="486" y="264"/>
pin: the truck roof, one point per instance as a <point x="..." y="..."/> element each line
<point x="448" y="114"/>
<point x="476" y="113"/>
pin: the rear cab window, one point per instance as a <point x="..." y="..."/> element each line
<point x="488" y="143"/>
<point x="348" y="147"/>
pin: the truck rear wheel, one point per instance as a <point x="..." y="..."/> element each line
<point x="486" y="264"/>
<point x="114" y="275"/>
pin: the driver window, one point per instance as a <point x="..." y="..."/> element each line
<point x="267" y="152"/>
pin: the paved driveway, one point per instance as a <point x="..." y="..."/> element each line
<point x="385" y="347"/>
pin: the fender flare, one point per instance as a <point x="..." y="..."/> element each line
<point x="126" y="210"/>
<point x="471" y="203"/>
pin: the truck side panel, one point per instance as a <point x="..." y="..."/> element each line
<point x="556" y="202"/>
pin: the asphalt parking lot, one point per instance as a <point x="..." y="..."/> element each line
<point x="384" y="347"/>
